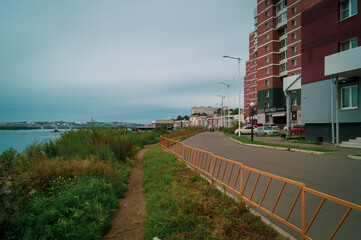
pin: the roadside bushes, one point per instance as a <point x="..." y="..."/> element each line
<point x="67" y="188"/>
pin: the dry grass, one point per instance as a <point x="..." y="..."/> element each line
<point x="44" y="171"/>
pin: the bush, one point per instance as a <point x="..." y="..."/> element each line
<point x="75" y="209"/>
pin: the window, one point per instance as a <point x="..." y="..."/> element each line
<point x="282" y="31"/>
<point x="267" y="13"/>
<point x="266" y="105"/>
<point x="267" y="70"/>
<point x="348" y="8"/>
<point x="254" y="88"/>
<point x="294" y="62"/>
<point x="267" y="48"/>
<point x="267" y="82"/>
<point x="294" y="116"/>
<point x="294" y="23"/>
<point x="294" y="36"/>
<point x="254" y="95"/>
<point x="294" y="102"/>
<point x="282" y="17"/>
<point x="283" y="43"/>
<point x="283" y="55"/>
<point x="267" y="94"/>
<point x="283" y="67"/>
<point x="254" y="82"/>
<point x="294" y="49"/>
<point x="281" y="5"/>
<point x="348" y="44"/>
<point x="267" y="36"/>
<point x="267" y="25"/>
<point x="267" y="59"/>
<point x="349" y="97"/>
<point x="294" y="9"/>
<point x="267" y="2"/>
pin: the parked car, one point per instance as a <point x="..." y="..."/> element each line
<point x="285" y="127"/>
<point x="298" y="129"/>
<point x="266" y="131"/>
<point x="245" y="130"/>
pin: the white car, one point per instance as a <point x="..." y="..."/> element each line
<point x="266" y="131"/>
<point x="245" y="130"/>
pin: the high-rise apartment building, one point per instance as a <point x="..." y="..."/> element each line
<point x="207" y="110"/>
<point x="274" y="54"/>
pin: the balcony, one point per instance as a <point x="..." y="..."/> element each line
<point x="344" y="64"/>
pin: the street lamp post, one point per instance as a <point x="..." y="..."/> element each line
<point x="239" y="90"/>
<point x="227" y="85"/>
<point x="252" y="104"/>
<point x="221" y="96"/>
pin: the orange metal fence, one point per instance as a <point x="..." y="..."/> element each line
<point x="237" y="178"/>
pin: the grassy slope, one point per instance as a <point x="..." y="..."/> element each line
<point x="182" y="205"/>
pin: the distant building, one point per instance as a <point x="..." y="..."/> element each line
<point x="274" y="55"/>
<point x="167" y="124"/>
<point x="207" y="110"/>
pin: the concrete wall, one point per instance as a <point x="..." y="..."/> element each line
<point x="316" y="104"/>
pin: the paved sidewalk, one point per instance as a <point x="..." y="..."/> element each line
<point x="279" y="140"/>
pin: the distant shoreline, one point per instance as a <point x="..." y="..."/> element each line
<point x="33" y="128"/>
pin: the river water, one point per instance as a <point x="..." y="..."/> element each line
<point x="19" y="139"/>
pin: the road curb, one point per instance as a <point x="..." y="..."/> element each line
<point x="354" y="157"/>
<point x="280" y="148"/>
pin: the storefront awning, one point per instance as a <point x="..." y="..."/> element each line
<point x="279" y="115"/>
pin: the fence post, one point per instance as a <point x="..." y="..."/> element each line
<point x="212" y="169"/>
<point x="241" y="184"/>
<point x="303" y="214"/>
<point x="183" y="151"/>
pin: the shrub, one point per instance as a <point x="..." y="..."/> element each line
<point x="77" y="209"/>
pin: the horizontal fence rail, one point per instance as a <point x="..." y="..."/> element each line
<point x="245" y="182"/>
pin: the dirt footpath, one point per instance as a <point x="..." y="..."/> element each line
<point x="128" y="221"/>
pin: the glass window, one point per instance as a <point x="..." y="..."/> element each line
<point x="282" y="17"/>
<point x="294" y="9"/>
<point x="267" y="25"/>
<point x="267" y="36"/>
<point x="267" y="70"/>
<point x="281" y="5"/>
<point x="294" y="23"/>
<point x="283" y="67"/>
<point x="267" y="13"/>
<point x="267" y="82"/>
<point x="294" y="62"/>
<point x="267" y="94"/>
<point x="267" y="48"/>
<point x="283" y="43"/>
<point x="349" y="97"/>
<point x="294" y="49"/>
<point x="267" y="59"/>
<point x="348" y="8"/>
<point x="348" y="44"/>
<point x="267" y="105"/>
<point x="283" y="55"/>
<point x="294" y="36"/>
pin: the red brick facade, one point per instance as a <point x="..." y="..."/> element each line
<point x="271" y="47"/>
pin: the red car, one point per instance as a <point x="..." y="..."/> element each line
<point x="298" y="129"/>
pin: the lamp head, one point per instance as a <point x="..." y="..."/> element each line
<point x="252" y="104"/>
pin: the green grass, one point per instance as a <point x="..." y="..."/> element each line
<point x="67" y="188"/>
<point x="248" y="141"/>
<point x="181" y="204"/>
<point x="307" y="142"/>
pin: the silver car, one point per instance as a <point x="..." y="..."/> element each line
<point x="245" y="130"/>
<point x="266" y="131"/>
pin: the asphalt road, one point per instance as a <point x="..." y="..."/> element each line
<point x="333" y="174"/>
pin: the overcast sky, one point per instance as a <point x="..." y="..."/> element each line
<point x="135" y="60"/>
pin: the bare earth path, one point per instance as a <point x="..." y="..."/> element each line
<point x="128" y="221"/>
